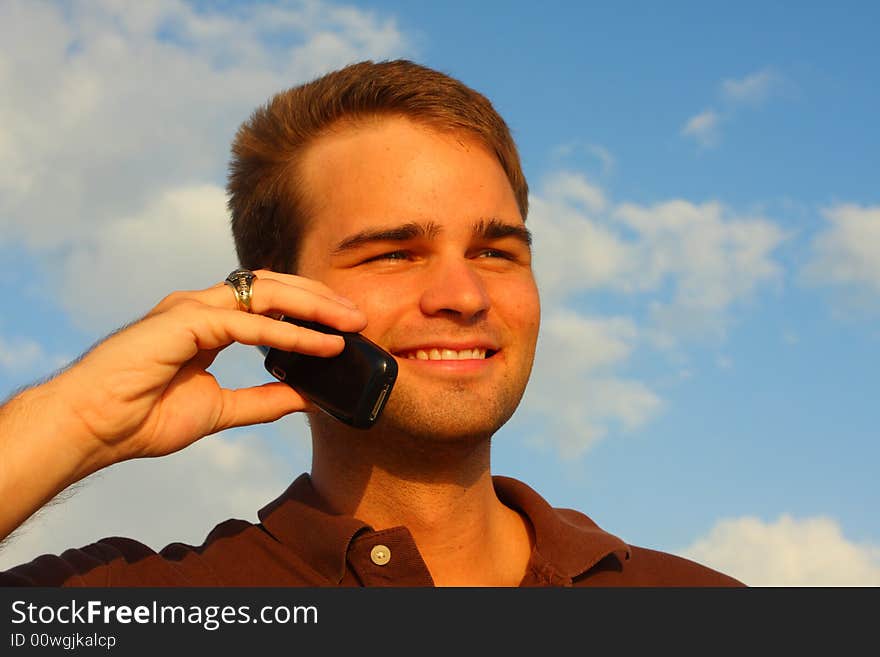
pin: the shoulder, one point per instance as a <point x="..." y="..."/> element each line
<point x="647" y="567"/>
<point x="119" y="561"/>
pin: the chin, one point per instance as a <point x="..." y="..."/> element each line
<point x="457" y="420"/>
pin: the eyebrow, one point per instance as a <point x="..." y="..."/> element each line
<point x="484" y="228"/>
<point x="495" y="229"/>
<point x="400" y="233"/>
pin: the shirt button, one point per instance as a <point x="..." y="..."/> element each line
<point x="380" y="555"/>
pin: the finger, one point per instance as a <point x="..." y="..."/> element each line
<point x="215" y="328"/>
<point x="300" y="282"/>
<point x="273" y="297"/>
<point x="259" y="404"/>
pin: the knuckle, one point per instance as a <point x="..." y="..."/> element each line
<point x="173" y="299"/>
<point x="186" y="308"/>
<point x="187" y="303"/>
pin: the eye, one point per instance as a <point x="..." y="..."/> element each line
<point x="494" y="253"/>
<point x="390" y="255"/>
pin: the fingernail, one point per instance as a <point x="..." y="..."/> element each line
<point x="347" y="302"/>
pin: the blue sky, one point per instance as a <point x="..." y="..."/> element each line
<point x="707" y="223"/>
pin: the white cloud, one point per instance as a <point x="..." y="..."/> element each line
<point x="847" y="252"/>
<point x="787" y="552"/>
<point x="574" y="189"/>
<point x="573" y="250"/>
<point x="20" y="354"/>
<point x="753" y="89"/>
<point x="604" y="156"/>
<point x="696" y="260"/>
<point x="600" y="154"/>
<point x="574" y="388"/>
<point x="703" y="128"/>
<point x="22" y="359"/>
<point x="712" y="258"/>
<point x="157" y="501"/>
<point x="180" y="240"/>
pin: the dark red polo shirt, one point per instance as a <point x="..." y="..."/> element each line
<point x="298" y="543"/>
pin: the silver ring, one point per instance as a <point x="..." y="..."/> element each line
<point x="242" y="283"/>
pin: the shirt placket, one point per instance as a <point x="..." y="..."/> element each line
<point x="388" y="558"/>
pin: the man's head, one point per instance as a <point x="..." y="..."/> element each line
<point x="269" y="203"/>
<point x="412" y="205"/>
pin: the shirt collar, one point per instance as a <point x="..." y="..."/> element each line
<point x="300" y="520"/>
<point x="568" y="540"/>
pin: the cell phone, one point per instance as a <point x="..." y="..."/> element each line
<point x="352" y="387"/>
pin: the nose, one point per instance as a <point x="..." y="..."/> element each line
<point x="455" y="289"/>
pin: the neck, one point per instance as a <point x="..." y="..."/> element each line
<point x="441" y="491"/>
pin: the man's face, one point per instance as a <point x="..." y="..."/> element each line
<point x="422" y="231"/>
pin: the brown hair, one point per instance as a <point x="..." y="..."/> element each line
<point x="265" y="199"/>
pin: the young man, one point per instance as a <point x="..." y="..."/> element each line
<point x="393" y="198"/>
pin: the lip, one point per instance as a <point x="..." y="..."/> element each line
<point x="473" y="366"/>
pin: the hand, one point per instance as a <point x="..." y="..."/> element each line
<point x="146" y="391"/>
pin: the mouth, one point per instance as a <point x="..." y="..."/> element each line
<point x="444" y="353"/>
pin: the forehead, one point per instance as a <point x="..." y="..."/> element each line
<point x="392" y="169"/>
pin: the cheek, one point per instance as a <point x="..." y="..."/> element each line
<point x="520" y="304"/>
<point x="375" y="293"/>
<point x="383" y="304"/>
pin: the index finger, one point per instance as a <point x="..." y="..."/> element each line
<point x="305" y="298"/>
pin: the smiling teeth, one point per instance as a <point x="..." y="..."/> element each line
<point x="447" y="354"/>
